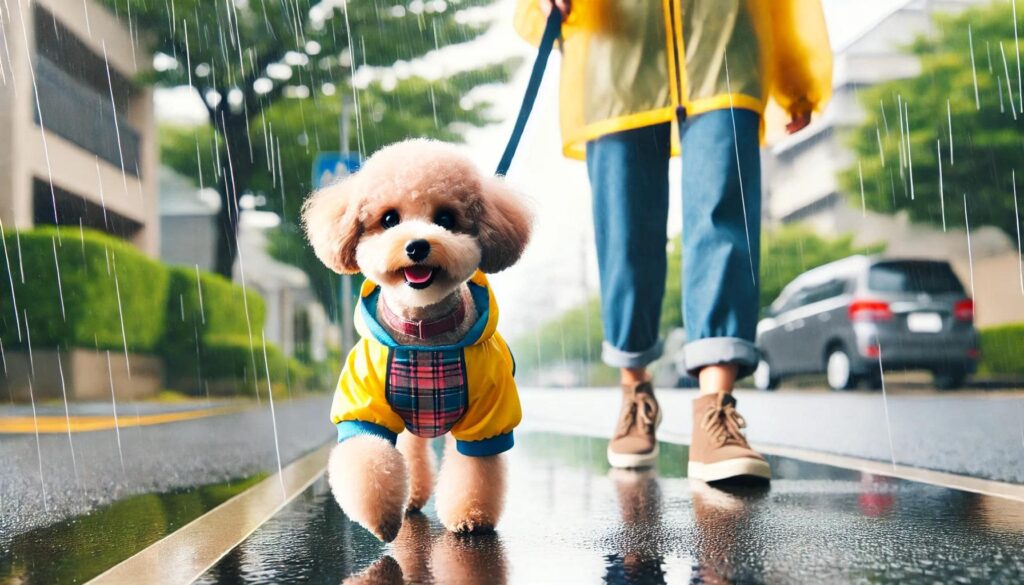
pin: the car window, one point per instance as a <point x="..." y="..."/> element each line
<point x="914" y="277"/>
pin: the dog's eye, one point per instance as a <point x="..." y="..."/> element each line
<point x="390" y="219"/>
<point x="445" y="219"/>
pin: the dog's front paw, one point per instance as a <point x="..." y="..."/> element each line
<point x="470" y="492"/>
<point x="386" y="571"/>
<point x="468" y="518"/>
<point x="371" y="484"/>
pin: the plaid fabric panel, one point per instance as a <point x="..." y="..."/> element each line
<point x="428" y="389"/>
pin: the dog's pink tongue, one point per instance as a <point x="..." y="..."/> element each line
<point x="418" y="274"/>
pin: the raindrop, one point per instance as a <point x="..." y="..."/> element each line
<point x="10" y="278"/>
<point x="117" y="127"/>
<point x="885" y="403"/>
<point x="970" y="255"/>
<point x="974" y="71"/>
<point x="1009" y="88"/>
<point x="199" y="286"/>
<point x="739" y="172"/>
<point x="1016" y="44"/>
<point x="67" y="418"/>
<point x="113" y="401"/>
<point x="949" y="120"/>
<point x="273" y="414"/>
<point x="39" y="449"/>
<point x="60" y="288"/>
<point x="910" y="158"/>
<point x="942" y="192"/>
<point x="1016" y="216"/>
<point x="863" y="203"/>
<point x="120" y="314"/>
<point x="881" y="151"/>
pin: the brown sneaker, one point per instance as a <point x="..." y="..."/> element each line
<point x="634" y="444"/>
<point x="718" y="449"/>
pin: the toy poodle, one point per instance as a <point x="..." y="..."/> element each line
<point x="423" y="225"/>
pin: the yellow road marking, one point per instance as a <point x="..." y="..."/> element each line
<point x="81" y="424"/>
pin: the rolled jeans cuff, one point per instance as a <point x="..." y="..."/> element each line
<point x="721" y="350"/>
<point x="619" y="358"/>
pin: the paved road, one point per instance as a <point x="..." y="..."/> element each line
<point x="157" y="459"/>
<point x="570" y="519"/>
<point x="972" y="433"/>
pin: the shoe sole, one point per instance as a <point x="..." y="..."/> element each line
<point x="729" y="468"/>
<point x="632" y="460"/>
<point x="636" y="460"/>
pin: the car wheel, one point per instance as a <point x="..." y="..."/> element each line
<point x="764" y="379"/>
<point x="949" y="379"/>
<point x="838" y="370"/>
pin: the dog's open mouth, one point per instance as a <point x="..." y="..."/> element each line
<point x="418" y="276"/>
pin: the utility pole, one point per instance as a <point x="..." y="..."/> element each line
<point x="345" y="290"/>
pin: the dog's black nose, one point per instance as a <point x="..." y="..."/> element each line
<point x="417" y="250"/>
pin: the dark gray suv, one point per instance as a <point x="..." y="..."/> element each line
<point x="850" y="318"/>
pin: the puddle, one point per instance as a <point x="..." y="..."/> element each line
<point x="570" y="518"/>
<point x="78" y="549"/>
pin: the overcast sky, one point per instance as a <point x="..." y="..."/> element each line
<point x="559" y="269"/>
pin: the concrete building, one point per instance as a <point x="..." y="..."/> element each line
<point x="188" y="221"/>
<point x="77" y="138"/>
<point x="296" y="321"/>
<point x="802" y="171"/>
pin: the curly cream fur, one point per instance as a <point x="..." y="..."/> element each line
<point x="422" y="465"/>
<point x="417" y="179"/>
<point x="371" y="483"/>
<point x="470" y="491"/>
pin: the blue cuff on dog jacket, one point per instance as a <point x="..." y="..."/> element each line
<point x="351" y="428"/>
<point x="486" y="447"/>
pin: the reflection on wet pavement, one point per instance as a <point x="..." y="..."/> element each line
<point x="572" y="519"/>
<point x="78" y="549"/>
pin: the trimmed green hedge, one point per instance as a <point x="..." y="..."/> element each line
<point x="211" y="306"/>
<point x="101" y="278"/>
<point x="227" y="359"/>
<point x="1002" y="349"/>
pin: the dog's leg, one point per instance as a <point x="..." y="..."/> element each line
<point x="476" y="560"/>
<point x="470" y="491"/>
<point x="422" y="464"/>
<point x="412" y="550"/>
<point x="371" y="483"/>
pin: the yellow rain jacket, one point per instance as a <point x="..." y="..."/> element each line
<point x="631" y="63"/>
<point x="466" y="388"/>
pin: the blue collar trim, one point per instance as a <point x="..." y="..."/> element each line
<point x="368" y="311"/>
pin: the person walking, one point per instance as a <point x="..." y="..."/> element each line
<point x="642" y="80"/>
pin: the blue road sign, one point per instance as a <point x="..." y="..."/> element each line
<point x="330" y="167"/>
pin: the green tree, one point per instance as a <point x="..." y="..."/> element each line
<point x="247" y="58"/>
<point x="903" y="148"/>
<point x="301" y="128"/>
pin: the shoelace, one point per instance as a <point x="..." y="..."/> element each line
<point x="723" y="424"/>
<point x="641" y="410"/>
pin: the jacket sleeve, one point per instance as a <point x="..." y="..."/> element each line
<point x="529" y="21"/>
<point x="494" y="409"/>
<point x="360" y="394"/>
<point x="801" y="60"/>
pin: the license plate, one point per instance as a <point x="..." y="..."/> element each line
<point x="924" y="322"/>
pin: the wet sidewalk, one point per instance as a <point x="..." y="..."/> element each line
<point x="571" y="519"/>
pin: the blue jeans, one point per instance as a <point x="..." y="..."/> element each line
<point x="721" y="238"/>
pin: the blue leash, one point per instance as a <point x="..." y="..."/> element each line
<point x="552" y="31"/>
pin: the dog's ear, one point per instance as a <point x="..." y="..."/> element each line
<point x="331" y="219"/>
<point x="504" y="225"/>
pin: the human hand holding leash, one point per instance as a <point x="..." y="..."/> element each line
<point x="798" y="121"/>
<point x="564" y="6"/>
